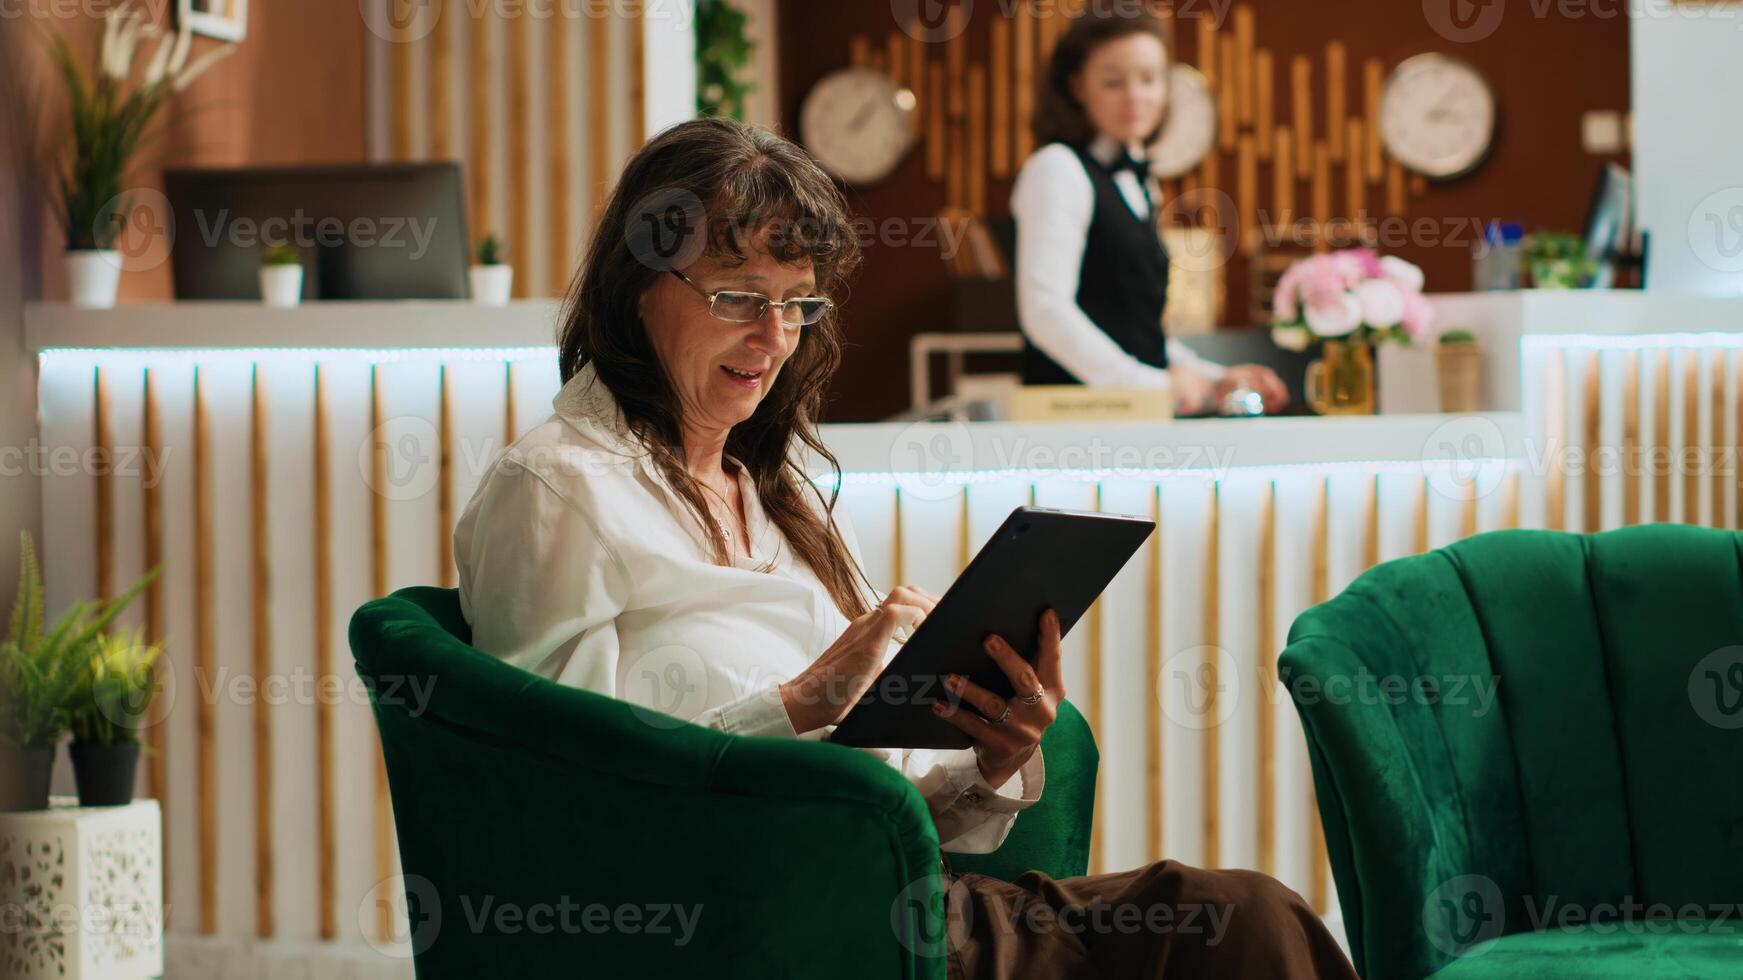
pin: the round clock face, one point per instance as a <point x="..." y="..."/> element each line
<point x="1437" y="116"/>
<point x="1189" y="128"/>
<point x="858" y="124"/>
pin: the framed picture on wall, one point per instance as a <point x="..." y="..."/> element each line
<point x="226" y="20"/>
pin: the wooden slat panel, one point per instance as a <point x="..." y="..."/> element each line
<point x="1247" y="190"/>
<point x="935" y="128"/>
<point x="1716" y="444"/>
<point x="1322" y="209"/>
<point x="402" y="89"/>
<point x="326" y="829"/>
<point x="1691" y="437"/>
<point x="1211" y="787"/>
<point x="384" y="924"/>
<point x="1208" y="63"/>
<point x="1283" y="178"/>
<point x="1631" y="468"/>
<point x="1153" y="684"/>
<point x="977" y="136"/>
<point x="1594" y="411"/>
<point x="157" y="736"/>
<point x="1267" y="680"/>
<point x="1024" y="102"/>
<point x="1319" y="890"/>
<point x="1556" y="373"/>
<point x="444" y="529"/>
<point x="1355" y="177"/>
<point x="1242" y="69"/>
<point x="1228" y="113"/>
<point x="1396" y="205"/>
<point x="103" y="519"/>
<point x="638" y="67"/>
<point x="598" y="64"/>
<point x="1661" y="438"/>
<point x="896" y="57"/>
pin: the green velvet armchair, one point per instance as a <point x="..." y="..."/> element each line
<point x="1524" y="737"/>
<point x="549" y="831"/>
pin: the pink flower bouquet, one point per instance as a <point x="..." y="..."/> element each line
<point x="1353" y="294"/>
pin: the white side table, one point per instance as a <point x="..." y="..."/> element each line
<point x="81" y="892"/>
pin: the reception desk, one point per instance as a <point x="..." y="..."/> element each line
<point x="285" y="466"/>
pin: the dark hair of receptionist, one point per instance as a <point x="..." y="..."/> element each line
<point x="709" y="186"/>
<point x="1059" y="116"/>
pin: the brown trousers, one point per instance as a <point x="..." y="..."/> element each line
<point x="1162" y="920"/>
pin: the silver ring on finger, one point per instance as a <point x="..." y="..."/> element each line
<point x="1036" y="697"/>
<point x="1000" y="720"/>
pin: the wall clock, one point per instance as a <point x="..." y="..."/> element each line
<point x="1437" y="116"/>
<point x="1189" y="129"/>
<point x="858" y="124"/>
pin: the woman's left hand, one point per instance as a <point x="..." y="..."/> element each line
<point x="1003" y="747"/>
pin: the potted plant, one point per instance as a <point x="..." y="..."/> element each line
<point x="41" y="669"/>
<point x="111" y="119"/>
<point x="492" y="280"/>
<point x="1558" y="260"/>
<point x="1458" y="364"/>
<point x="1350" y="300"/>
<point x="115" y="691"/>
<point x="281" y="276"/>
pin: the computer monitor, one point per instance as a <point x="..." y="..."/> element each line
<point x="1610" y="223"/>
<point x="365" y="231"/>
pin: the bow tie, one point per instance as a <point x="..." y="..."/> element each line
<point x="1139" y="166"/>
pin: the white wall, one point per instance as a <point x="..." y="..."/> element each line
<point x="20" y="211"/>
<point x="1688" y="142"/>
<point x="669" y="70"/>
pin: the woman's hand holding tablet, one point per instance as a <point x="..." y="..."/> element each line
<point x="1006" y="731"/>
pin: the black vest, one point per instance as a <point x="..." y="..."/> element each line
<point x="1122" y="284"/>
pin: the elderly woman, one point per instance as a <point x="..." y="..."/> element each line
<point x="658" y="540"/>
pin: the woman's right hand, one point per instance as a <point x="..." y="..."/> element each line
<point x="821" y="694"/>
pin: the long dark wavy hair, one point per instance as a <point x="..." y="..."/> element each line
<point x="723" y="182"/>
<point x="1059" y="116"/>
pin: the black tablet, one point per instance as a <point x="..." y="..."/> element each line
<point x="1039" y="557"/>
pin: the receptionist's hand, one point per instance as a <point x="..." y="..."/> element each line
<point x="1006" y="733"/>
<point x="1257" y="377"/>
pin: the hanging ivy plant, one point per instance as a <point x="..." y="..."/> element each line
<point x="722" y="52"/>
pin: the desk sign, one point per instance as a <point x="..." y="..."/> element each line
<point x="1078" y="403"/>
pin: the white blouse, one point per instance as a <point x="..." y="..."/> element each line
<point x="579" y="562"/>
<point x="1053" y="202"/>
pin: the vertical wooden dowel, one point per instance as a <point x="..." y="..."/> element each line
<point x="445" y="570"/>
<point x="1208" y="49"/>
<point x="1396" y="205"/>
<point x="638" y="70"/>
<point x="1556" y="430"/>
<point x="1661" y="448"/>
<point x="1422" y="539"/>
<point x="156" y="775"/>
<point x="1318" y="890"/>
<point x="859" y="51"/>
<point x="915" y="61"/>
<point x="519" y="130"/>
<point x="1245" y="106"/>
<point x="999" y="64"/>
<point x="1691" y="437"/>
<point x="402" y="89"/>
<point x="1336" y="98"/>
<point x="1023" y="101"/>
<point x="205" y="652"/>
<point x="1301" y="121"/>
<point x="1095" y="715"/>
<point x="1716" y="445"/>
<point x="480" y="67"/>
<point x="442" y="84"/>
<point x="1265" y="104"/>
<point x="378" y="584"/>
<point x="598" y="128"/>
<point x="510" y="424"/>
<point x="1355" y="176"/>
<point x="558" y="233"/>
<point x="1373" y="86"/>
<point x="1247" y="190"/>
<point x="1227" y="112"/>
<point x="896" y="57"/>
<point x="1267" y="680"/>
<point x="1153" y="796"/>
<point x="1211" y="786"/>
<point x="1283" y="179"/>
<point x="1322" y="208"/>
<point x="977" y="137"/>
<point x="1632" y="470"/>
<point x="935" y="129"/>
<point x="326" y="837"/>
<point x="260" y="518"/>
<point x="103" y="480"/>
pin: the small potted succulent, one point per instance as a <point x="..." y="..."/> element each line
<point x="109" y="709"/>
<point x="492" y="279"/>
<point x="281" y="276"/>
<point x="42" y="669"/>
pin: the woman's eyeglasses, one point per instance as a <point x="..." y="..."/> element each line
<point x="736" y="306"/>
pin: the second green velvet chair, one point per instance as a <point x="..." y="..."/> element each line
<point x="516" y="799"/>
<point x="1569" y="748"/>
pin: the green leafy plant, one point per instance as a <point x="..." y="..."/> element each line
<point x="42" y="665"/>
<point x="1558" y="260"/>
<point x="489" y="251"/>
<point x="1458" y="336"/>
<point x="284" y="254"/>
<point x="116" y="689"/>
<point x="723" y="50"/>
<point x="111" y="119"/>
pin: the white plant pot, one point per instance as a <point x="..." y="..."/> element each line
<point x="492" y="284"/>
<point x="93" y="277"/>
<point x="281" y="286"/>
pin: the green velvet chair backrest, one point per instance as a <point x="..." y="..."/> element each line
<point x="1605" y="770"/>
<point x="511" y="789"/>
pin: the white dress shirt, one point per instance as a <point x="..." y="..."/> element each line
<point x="578" y="562"/>
<point x="1053" y="202"/>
